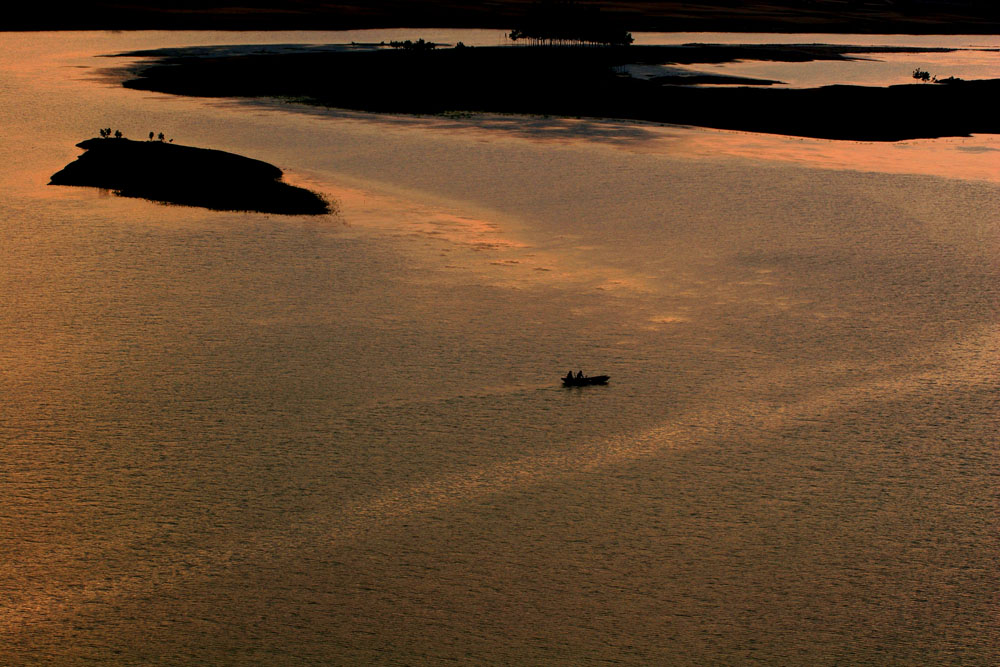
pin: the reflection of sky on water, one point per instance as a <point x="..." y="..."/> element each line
<point x="977" y="59"/>
<point x="342" y="440"/>
<point x="876" y="69"/>
<point x="241" y="438"/>
<point x="934" y="41"/>
<point x="970" y="158"/>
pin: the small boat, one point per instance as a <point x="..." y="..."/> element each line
<point x="576" y="381"/>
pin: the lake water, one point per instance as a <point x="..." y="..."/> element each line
<point x="234" y="438"/>
<point x="974" y="57"/>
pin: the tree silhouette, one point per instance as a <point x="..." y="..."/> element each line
<point x="567" y="21"/>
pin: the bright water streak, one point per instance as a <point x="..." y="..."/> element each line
<point x="236" y="438"/>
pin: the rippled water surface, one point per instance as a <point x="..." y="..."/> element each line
<point x="970" y="57"/>
<point x="234" y="438"/>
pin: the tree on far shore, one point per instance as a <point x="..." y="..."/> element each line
<point x="408" y="45"/>
<point x="551" y="22"/>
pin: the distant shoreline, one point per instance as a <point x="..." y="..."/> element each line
<point x="584" y="81"/>
<point x="778" y="16"/>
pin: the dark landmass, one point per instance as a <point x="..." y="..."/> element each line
<point x="175" y="174"/>
<point x="586" y="81"/>
<point x="844" y="16"/>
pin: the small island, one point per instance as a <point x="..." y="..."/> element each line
<point x="174" y="174"/>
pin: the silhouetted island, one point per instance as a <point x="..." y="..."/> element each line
<point x="175" y="174"/>
<point x="584" y="81"/>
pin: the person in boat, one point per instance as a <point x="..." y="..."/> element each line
<point x="569" y="376"/>
<point x="579" y="375"/>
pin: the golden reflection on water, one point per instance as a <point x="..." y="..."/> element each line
<point x="972" y="158"/>
<point x="968" y="158"/>
<point x="974" y="356"/>
<point x="244" y="438"/>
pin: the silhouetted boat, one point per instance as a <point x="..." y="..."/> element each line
<point x="575" y="381"/>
